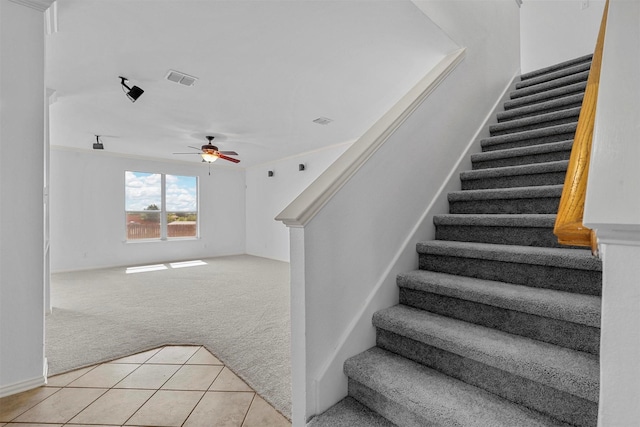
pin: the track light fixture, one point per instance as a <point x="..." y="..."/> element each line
<point x="133" y="93"/>
<point x="98" y="145"/>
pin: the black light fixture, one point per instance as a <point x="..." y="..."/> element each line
<point x="301" y="167"/>
<point x="133" y="93"/>
<point x="98" y="145"/>
<point x="270" y="173"/>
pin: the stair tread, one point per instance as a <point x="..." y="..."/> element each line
<point x="567" y="370"/>
<point x="585" y="66"/>
<point x="581" y="259"/>
<point x="529" y="134"/>
<point x="541" y="118"/>
<point x="534" y="168"/>
<point x="522" y="151"/>
<point x="565" y="306"/>
<point x="551" y="84"/>
<point x="561" y="65"/>
<point x="507" y="193"/>
<point x="436" y="397"/>
<point x="546" y="95"/>
<point x="349" y="413"/>
<point x="497" y="220"/>
<point x="568" y="101"/>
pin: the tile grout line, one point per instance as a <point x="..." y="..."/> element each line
<point x="160" y="387"/>
<point x="248" y="410"/>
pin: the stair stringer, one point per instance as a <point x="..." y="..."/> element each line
<point x="330" y="383"/>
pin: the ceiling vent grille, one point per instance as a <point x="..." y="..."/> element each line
<point x="323" y="120"/>
<point x="181" y="78"/>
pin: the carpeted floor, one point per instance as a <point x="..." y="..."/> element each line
<point x="236" y="306"/>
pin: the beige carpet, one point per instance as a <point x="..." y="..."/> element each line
<point x="236" y="306"/>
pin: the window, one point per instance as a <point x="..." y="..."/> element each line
<point x="159" y="206"/>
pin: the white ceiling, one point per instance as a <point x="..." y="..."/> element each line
<point x="266" y="70"/>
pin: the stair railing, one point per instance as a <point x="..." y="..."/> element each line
<point x="569" y="227"/>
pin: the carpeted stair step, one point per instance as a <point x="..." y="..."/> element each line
<point x="556" y="381"/>
<point x="549" y="85"/>
<point x="520" y="200"/>
<point x="556" y="67"/>
<point x="570" y="270"/>
<point x="537" y="174"/>
<point x="349" y="413"/>
<point x="505" y="229"/>
<point x="571" y="101"/>
<point x="412" y="395"/>
<point x="551" y="152"/>
<point x="536" y="122"/>
<point x="584" y="66"/>
<point x="561" y="318"/>
<point x="548" y="95"/>
<point x="530" y="137"/>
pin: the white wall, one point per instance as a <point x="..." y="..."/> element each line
<point x="555" y="31"/>
<point x="87" y="211"/>
<point x="366" y="234"/>
<point x="612" y="208"/>
<point x="21" y="205"/>
<point x="268" y="196"/>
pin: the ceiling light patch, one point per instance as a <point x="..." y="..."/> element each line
<point x="181" y="78"/>
<point x="323" y="120"/>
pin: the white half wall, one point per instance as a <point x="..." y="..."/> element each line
<point x="555" y="31"/>
<point x="366" y="233"/>
<point x="612" y="208"/>
<point x="268" y="196"/>
<point x="87" y="211"/>
<point x="22" y="96"/>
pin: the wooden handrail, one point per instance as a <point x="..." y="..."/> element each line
<point x="569" y="227"/>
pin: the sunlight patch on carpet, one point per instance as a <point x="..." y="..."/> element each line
<point x="146" y="268"/>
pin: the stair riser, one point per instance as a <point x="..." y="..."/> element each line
<point x="536" y="396"/>
<point x="538" y="205"/>
<point x="538" y="109"/>
<point x="522" y="160"/>
<point x="538" y="276"/>
<point x="388" y="408"/>
<point x="490" y="145"/>
<point x="557" y="67"/>
<point x="546" y="96"/>
<point x="555" y="75"/>
<point x="563" y="121"/>
<point x="533" y="180"/>
<point x="553" y="331"/>
<point x="507" y="235"/>
<point x="553" y="84"/>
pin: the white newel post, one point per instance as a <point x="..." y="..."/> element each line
<point x="298" y="328"/>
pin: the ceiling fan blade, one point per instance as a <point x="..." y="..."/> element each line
<point x="231" y="159"/>
<point x="185" y="153"/>
<point x="228" y="153"/>
<point x="195" y="148"/>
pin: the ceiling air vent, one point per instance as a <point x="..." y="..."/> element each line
<point x="181" y="78"/>
<point x="322" y="120"/>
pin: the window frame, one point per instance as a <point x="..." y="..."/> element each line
<point x="164" y="231"/>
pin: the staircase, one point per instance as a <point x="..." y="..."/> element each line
<point x="499" y="326"/>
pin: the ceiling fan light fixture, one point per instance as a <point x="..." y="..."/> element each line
<point x="133" y="93"/>
<point x="209" y="158"/>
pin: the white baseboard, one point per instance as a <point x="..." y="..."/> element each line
<point x="21" y="386"/>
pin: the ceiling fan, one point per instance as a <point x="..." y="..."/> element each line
<point x="210" y="152"/>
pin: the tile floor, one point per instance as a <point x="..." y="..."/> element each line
<point x="169" y="386"/>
